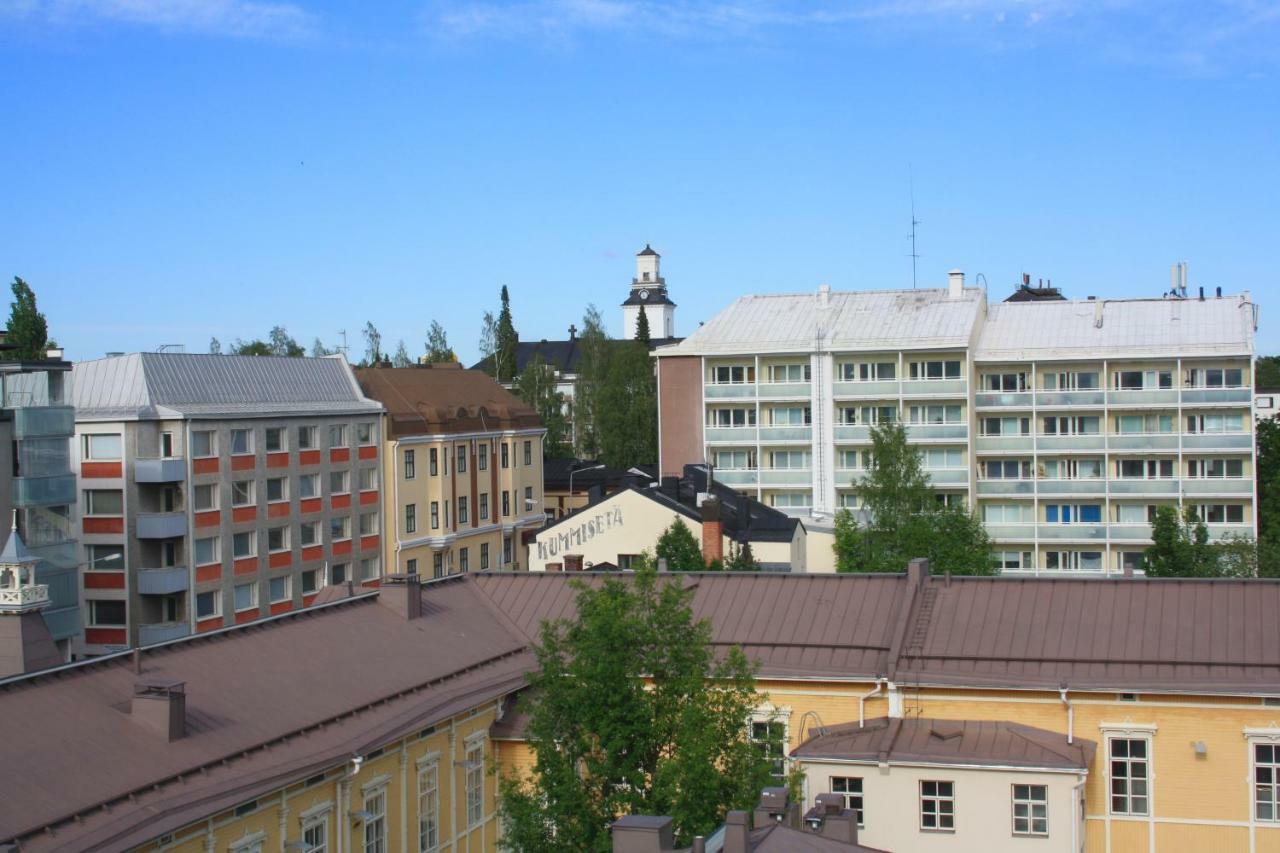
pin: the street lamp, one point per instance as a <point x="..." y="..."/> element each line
<point x="573" y="471"/>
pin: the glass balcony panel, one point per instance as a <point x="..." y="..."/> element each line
<point x="1191" y="396"/>
<point x="162" y="632"/>
<point x="921" y="432"/>
<point x="1006" y="487"/>
<point x="1011" y="531"/>
<point x="1131" y="532"/>
<point x="786" y="477"/>
<point x="948" y="476"/>
<point x="935" y="387"/>
<point x="1217" y="531"/>
<point x="44" y="491"/>
<point x="853" y="433"/>
<point x="995" y="400"/>
<point x="1144" y="487"/>
<point x="867" y="389"/>
<point x="1071" y="487"/>
<point x="169" y="470"/>
<point x="44" y="422"/>
<point x="1216" y="441"/>
<point x="161" y="525"/>
<point x="1070" y="442"/>
<point x="784" y="389"/>
<point x="741" y="435"/>
<point x="721" y="391"/>
<point x="43" y="457"/>
<point x="163" y="581"/>
<point x="736" y="478"/>
<point x="1069" y="398"/>
<point x="1210" y="486"/>
<point x="1004" y="442"/>
<point x="777" y="433"/>
<point x="1155" y="396"/>
<point x="1161" y="441"/>
<point x="1072" y="531"/>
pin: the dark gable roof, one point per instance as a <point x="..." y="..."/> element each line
<point x="432" y="399"/>
<point x="564" y="356"/>
<point x="775" y="838"/>
<point x="647" y="250"/>
<point x="917" y="740"/>
<point x="316" y="686"/>
<point x="657" y="296"/>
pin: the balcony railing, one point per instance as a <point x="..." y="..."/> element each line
<point x="934" y="387"/>
<point x="1003" y="443"/>
<point x="161" y="525"/>
<point x="1095" y="486"/>
<point x="745" y="389"/>
<point x="1005" y="487"/>
<point x="1078" y="530"/>
<point x="1146" y="397"/>
<point x="1217" y="441"/>
<point x="736" y="435"/>
<point x="888" y="388"/>
<point x="786" y="433"/>
<point x="1070" y="442"/>
<point x="1218" y="530"/>
<point x="1149" y="441"/>
<point x="1144" y="487"/>
<point x="1125" y="532"/>
<point x="948" y="476"/>
<point x="163" y="581"/>
<point x="1003" y="399"/>
<point x="162" y="632"/>
<point x="784" y="389"/>
<point x="740" y="477"/>
<point x="1069" y="398"/>
<point x="786" y="477"/>
<point x="44" y="422"/>
<point x="1215" y="486"/>
<point x="57" y="490"/>
<point x="1012" y="531"/>
<point x="165" y="470"/>
<point x="853" y="433"/>
<point x="926" y="432"/>
<point x="1192" y="396"/>
<point x="24" y="597"/>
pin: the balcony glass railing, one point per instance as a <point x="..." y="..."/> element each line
<point x="1124" y="532"/>
<point x="737" y="477"/>
<point x="1210" y="486"/>
<point x="44" y="422"/>
<point x="784" y="389"/>
<point x="934" y="387"/>
<point x="721" y="391"/>
<point x="1217" y="531"/>
<point x="1003" y="442"/>
<point x="1011" y="531"/>
<point x="162" y="632"/>
<point x="786" y="477"/>
<point x="1071" y="487"/>
<point x="786" y="433"/>
<point x="1143" y="487"/>
<point x="1191" y="396"/>
<point x="881" y="390"/>
<point x="1146" y="397"/>
<point x="1069" y="398"/>
<point x="1006" y="487"/>
<point x="1217" y="441"/>
<point x="161" y="525"/>
<point x="1151" y="441"/>
<point x="1070" y="442"/>
<point x="853" y="433"/>
<point x="44" y="491"/>
<point x="167" y="470"/>
<point x="1002" y="399"/>
<point x="743" y="435"/>
<point x="948" y="476"/>
<point x="925" y="432"/>
<point x="1090" y="532"/>
<point x="164" y="581"/>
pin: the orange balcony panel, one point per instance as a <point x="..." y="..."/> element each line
<point x="244" y="513"/>
<point x="281" y="607"/>
<point x="368" y="498"/>
<point x="212" y="518"/>
<point x="97" y="524"/>
<point x="243" y="462"/>
<point x="278" y="460"/>
<point x="343" y="547"/>
<point x="340" y="454"/>
<point x="369" y="543"/>
<point x="310" y="505"/>
<point x="315" y="552"/>
<point x="309" y="457"/>
<point x="101" y="469"/>
<point x="280" y="560"/>
<point x="308" y="599"/>
<point x="210" y="572"/>
<point x="279" y="509"/>
<point x="105" y="636"/>
<point x="247" y="616"/>
<point x="209" y="624"/>
<point x="246" y="566"/>
<point x="340" y="501"/>
<point x="370" y="452"/>
<point x="103" y="580"/>
<point x="208" y="465"/>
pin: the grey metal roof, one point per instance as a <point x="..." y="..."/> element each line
<point x="15" y="551"/>
<point x="864" y="321"/>
<point x="1100" y="328"/>
<point x="159" y="385"/>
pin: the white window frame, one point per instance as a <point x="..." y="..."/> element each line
<point x="474" y="779"/>
<point x="1129" y="731"/>
<point x="938" y="799"/>
<point x="375" y="794"/>
<point x="429" y="803"/>
<point x="1029" y="802"/>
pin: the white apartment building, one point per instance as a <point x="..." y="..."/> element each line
<point x="1063" y="423"/>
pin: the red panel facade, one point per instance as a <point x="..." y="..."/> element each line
<point x="211" y="572"/>
<point x="247" y="566"/>
<point x="369" y="452"/>
<point x="104" y="580"/>
<point x="280" y="560"/>
<point x="244" y="513"/>
<point x="105" y="636"/>
<point x="212" y="518"/>
<point x="343" y="547"/>
<point x="315" y="552"/>
<point x="309" y="457"/>
<point x="95" y="524"/>
<point x="90" y="470"/>
<point x="277" y="460"/>
<point x="368" y="498"/>
<point x="205" y="466"/>
<point x="340" y="454"/>
<point x="278" y="510"/>
<point x="243" y="463"/>
<point x="340" y="501"/>
<point x="310" y="505"/>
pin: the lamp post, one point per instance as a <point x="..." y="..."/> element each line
<point x="573" y="471"/>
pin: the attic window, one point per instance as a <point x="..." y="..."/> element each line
<point x="1126" y="697"/>
<point x="245" y="808"/>
<point x="1271" y="701"/>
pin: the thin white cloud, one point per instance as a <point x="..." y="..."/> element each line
<point x="247" y="19"/>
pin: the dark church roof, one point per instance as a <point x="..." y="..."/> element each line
<point x="656" y="296"/>
<point x="564" y="356"/>
<point x="647" y="250"/>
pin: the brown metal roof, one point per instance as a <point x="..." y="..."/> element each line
<point x="927" y="741"/>
<point x="246" y="687"/>
<point x="783" y="839"/>
<point x="428" y="399"/>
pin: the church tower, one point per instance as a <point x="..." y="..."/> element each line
<point x="649" y="289"/>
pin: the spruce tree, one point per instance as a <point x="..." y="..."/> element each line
<point x="642" y="327"/>
<point x="536" y="385"/>
<point x="27" y="331"/>
<point x="504" y="342"/>
<point x="678" y="547"/>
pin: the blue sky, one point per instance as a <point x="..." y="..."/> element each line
<point x="180" y="169"/>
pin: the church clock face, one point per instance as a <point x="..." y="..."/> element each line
<point x="644" y="294"/>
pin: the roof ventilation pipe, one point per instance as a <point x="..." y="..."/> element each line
<point x="955" y="284"/>
<point x="824" y="296"/>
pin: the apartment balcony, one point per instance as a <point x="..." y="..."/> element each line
<point x="779" y="390"/>
<point x="1152" y="397"/>
<point x="1214" y="487"/>
<point x="853" y="433"/>
<point x="1197" y="396"/>
<point x="1217" y="441"/>
<point x="933" y="432"/>
<point x="57" y="490"/>
<point x="162" y="525"/>
<point x="732" y="435"/>
<point x="1006" y="487"/>
<point x="162" y="632"/>
<point x="742" y="477"/>
<point x="1003" y="400"/>
<point x="1144" y="487"/>
<point x="44" y="422"/>
<point x="1090" y="532"/>
<point x="1003" y="443"/>
<point x="719" y="392"/>
<point x="786" y="433"/>
<point x="935" y="388"/>
<point x="1130" y="532"/>
<point x="164" y="581"/>
<point x="1217" y="530"/>
<point x="166" y="470"/>
<point x="1070" y="398"/>
<point x="948" y="476"/>
<point x="879" y="390"/>
<point x="1070" y="442"/>
<point x="786" y="477"/>
<point x="1161" y="441"/>
<point x="1054" y="488"/>
<point x="63" y="554"/>
<point x="1012" y="532"/>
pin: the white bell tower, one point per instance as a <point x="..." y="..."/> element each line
<point x="649" y="291"/>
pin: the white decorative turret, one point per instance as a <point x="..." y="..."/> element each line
<point x="19" y="592"/>
<point x="649" y="291"/>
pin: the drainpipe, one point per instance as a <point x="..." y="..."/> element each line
<point x="862" y="700"/>
<point x="1077" y="810"/>
<point x="1071" y="714"/>
<point x="344" y="803"/>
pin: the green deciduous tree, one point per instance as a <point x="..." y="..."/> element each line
<point x="680" y="549"/>
<point x="319" y="350"/>
<point x="488" y="343"/>
<point x="1267" y="372"/>
<point x="609" y="742"/>
<point x="1267" y="477"/>
<point x="27" y="331"/>
<point x="401" y="357"/>
<point x="373" y="344"/>
<point x="593" y="372"/>
<point x="438" y="349"/>
<point x="741" y="559"/>
<point x="254" y="347"/>
<point x="281" y="343"/>
<point x="215" y="346"/>
<point x="504" y="342"/>
<point x="626" y="418"/>
<point x="1179" y="546"/>
<point x="536" y="385"/>
<point x="903" y="518"/>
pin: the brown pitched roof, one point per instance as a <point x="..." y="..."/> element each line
<point x="783" y="839"/>
<point x="316" y="687"/>
<point x="443" y="398"/>
<point x="928" y="741"/>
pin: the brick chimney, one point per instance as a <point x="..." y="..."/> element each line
<point x="160" y="704"/>
<point x="643" y="834"/>
<point x="736" y="832"/>
<point x="573" y="562"/>
<point x="402" y="594"/>
<point x="712" y="531"/>
<point x="830" y="819"/>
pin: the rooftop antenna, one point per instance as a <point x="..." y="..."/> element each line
<point x="914" y="222"/>
<point x="343" y="332"/>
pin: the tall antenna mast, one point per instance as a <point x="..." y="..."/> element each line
<point x="914" y="222"/>
<point x="343" y="332"/>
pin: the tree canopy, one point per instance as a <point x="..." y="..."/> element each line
<point x="904" y="519"/>
<point x="438" y="349"/>
<point x="626" y="407"/>
<point x="504" y="342"/>
<point x="609" y="741"/>
<point x="1267" y="371"/>
<point x="401" y="357"/>
<point x="680" y="549"/>
<point x="536" y="385"/>
<point x="27" y="331"/>
<point x="278" y="343"/>
<point x="373" y="344"/>
<point x="642" y="327"/>
<point x="593" y="371"/>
